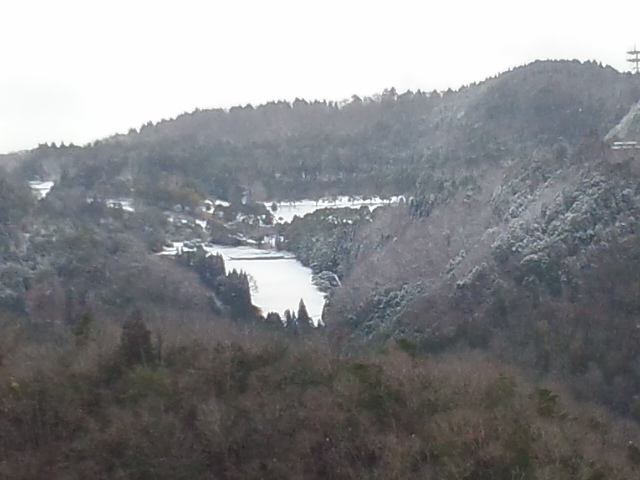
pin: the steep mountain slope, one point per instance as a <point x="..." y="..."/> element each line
<point x="536" y="261"/>
<point x="629" y="127"/>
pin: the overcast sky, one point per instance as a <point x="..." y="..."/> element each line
<point x="75" y="71"/>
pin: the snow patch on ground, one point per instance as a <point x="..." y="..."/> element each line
<point x="125" y="204"/>
<point x="40" y="189"/>
<point x="286" y="211"/>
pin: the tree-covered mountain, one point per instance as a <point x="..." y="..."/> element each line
<point x="364" y="146"/>
<point x="518" y="235"/>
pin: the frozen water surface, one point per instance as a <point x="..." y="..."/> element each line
<point x="278" y="280"/>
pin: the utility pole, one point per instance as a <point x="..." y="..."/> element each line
<point x="634" y="59"/>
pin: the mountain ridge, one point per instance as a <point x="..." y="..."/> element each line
<point x="512" y="193"/>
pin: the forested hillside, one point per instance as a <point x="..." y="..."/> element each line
<point x="503" y="283"/>
<point x="363" y="146"/>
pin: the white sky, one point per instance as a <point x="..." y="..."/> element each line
<point x="75" y="71"/>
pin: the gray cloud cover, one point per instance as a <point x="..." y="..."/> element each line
<point x="74" y="71"/>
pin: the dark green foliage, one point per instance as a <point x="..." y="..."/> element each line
<point x="273" y="318"/>
<point x="407" y="346"/>
<point x="168" y="196"/>
<point x="15" y="202"/>
<point x="325" y="239"/>
<point x="143" y="382"/>
<point x="376" y="395"/>
<point x="547" y="402"/>
<point x="83" y="253"/>
<point x="434" y="190"/>
<point x="234" y="291"/>
<point x="289" y="318"/>
<point x="380" y="314"/>
<point x="520" y="445"/>
<point x="303" y="315"/>
<point x="13" y="282"/>
<point x="589" y="332"/>
<point x="501" y="393"/>
<point x="82" y="331"/>
<point x="635" y="408"/>
<point x="135" y="342"/>
<point x="208" y="267"/>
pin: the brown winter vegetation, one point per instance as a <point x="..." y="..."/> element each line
<point x="230" y="405"/>
<point x="587" y="336"/>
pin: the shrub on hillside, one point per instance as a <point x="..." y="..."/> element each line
<point x="135" y="342"/>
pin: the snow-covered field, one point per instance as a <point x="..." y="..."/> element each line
<point x="287" y="210"/>
<point x="278" y="280"/>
